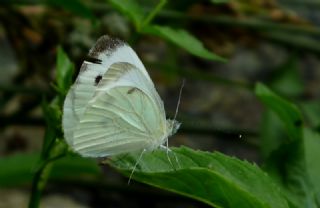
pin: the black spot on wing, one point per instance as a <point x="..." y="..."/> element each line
<point x="97" y="79"/>
<point x="106" y="45"/>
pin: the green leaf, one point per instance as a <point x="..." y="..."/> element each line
<point x="74" y="6"/>
<point x="287" y="112"/>
<point x="182" y="39"/>
<point x="312" y="147"/>
<point x="131" y="9"/>
<point x="273" y="134"/>
<point x="212" y="178"/>
<point x="65" y="70"/>
<point x="287" y="80"/>
<point x="178" y="37"/>
<point x="286" y="158"/>
<point x="311" y="110"/>
<point x="19" y="169"/>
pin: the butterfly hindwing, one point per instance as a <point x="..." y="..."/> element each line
<point x="124" y="113"/>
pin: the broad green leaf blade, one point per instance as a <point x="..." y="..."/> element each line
<point x="19" y="169"/>
<point x="131" y="9"/>
<point x="212" y="178"/>
<point x="182" y="39"/>
<point x="287" y="112"/>
<point x="65" y="70"/>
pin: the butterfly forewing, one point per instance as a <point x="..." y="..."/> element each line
<point x="105" y="52"/>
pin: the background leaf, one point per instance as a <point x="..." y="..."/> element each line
<point x="286" y="111"/>
<point x="311" y="110"/>
<point x="65" y="70"/>
<point x="182" y="39"/>
<point x="17" y="170"/>
<point x="287" y="80"/>
<point x="286" y="161"/>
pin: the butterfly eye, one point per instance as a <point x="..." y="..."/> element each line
<point x="97" y="79"/>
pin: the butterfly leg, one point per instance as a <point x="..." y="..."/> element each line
<point x="169" y="150"/>
<point x="134" y="167"/>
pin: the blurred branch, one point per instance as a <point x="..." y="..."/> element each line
<point x="225" y="134"/>
<point x="21" y="120"/>
<point x="286" y="33"/>
<point x="253" y="23"/>
<point x="196" y="74"/>
<point x="204" y="129"/>
<point x="313" y="4"/>
<point x="23" y="90"/>
<point x="296" y="41"/>
<point x="22" y="2"/>
<point x="248" y="22"/>
<point x="153" y="13"/>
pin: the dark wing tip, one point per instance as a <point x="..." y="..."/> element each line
<point x="105" y="44"/>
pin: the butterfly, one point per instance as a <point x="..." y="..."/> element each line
<point x="113" y="107"/>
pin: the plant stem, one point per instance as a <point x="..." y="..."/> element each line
<point x="153" y="13"/>
<point x="56" y="151"/>
<point x="38" y="184"/>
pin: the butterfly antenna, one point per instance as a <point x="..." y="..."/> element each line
<point x="179" y="99"/>
<point x="135" y="165"/>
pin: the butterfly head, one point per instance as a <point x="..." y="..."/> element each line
<point x="172" y="127"/>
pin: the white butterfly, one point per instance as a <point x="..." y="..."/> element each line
<point x="113" y="106"/>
